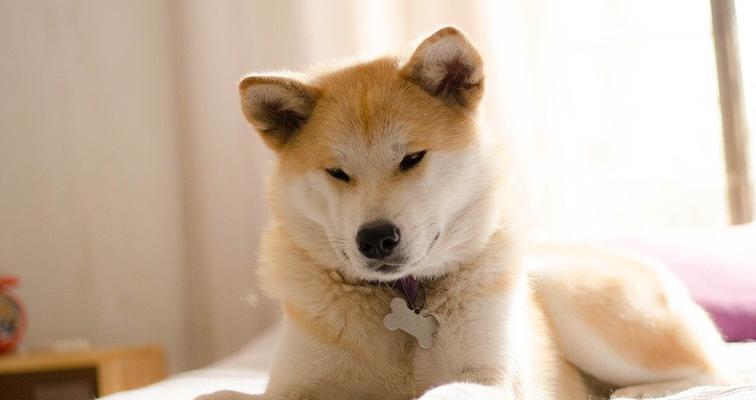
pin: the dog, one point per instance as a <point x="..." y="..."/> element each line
<point x="391" y="250"/>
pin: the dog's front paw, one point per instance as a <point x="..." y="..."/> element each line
<point x="464" y="391"/>
<point x="638" y="392"/>
<point x="229" y="395"/>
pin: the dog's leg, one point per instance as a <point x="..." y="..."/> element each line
<point x="230" y="395"/>
<point x="629" y="322"/>
<point x="468" y="391"/>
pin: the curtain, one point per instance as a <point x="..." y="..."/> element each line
<point x="610" y="112"/>
<point x="609" y="109"/>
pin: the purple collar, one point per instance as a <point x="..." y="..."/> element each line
<point x="411" y="289"/>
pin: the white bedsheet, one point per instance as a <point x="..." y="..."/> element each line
<point x="246" y="371"/>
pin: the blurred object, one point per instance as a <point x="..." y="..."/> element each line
<point x="77" y="375"/>
<point x="717" y="266"/>
<point x="732" y="103"/>
<point x="13" y="319"/>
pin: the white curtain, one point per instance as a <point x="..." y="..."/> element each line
<point x="610" y="109"/>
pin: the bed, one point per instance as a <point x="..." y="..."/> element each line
<point x="246" y="371"/>
<point x="718" y="267"/>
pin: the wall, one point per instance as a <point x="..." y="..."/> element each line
<point x="132" y="188"/>
<point x="91" y="206"/>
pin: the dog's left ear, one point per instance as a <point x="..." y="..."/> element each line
<point x="447" y="66"/>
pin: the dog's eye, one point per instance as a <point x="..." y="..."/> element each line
<point x="338" y="173"/>
<point x="411" y="160"/>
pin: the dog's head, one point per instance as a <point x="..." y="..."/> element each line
<point x="381" y="170"/>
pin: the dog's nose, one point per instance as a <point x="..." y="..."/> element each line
<point x="377" y="239"/>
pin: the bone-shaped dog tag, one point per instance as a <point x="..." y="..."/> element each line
<point x="420" y="326"/>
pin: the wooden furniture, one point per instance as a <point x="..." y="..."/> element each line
<point x="81" y="374"/>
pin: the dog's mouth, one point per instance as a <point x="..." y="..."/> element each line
<point x="392" y="267"/>
<point x="388" y="268"/>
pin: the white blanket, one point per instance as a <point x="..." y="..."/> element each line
<point x="246" y="371"/>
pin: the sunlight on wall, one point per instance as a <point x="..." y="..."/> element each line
<point x="625" y="132"/>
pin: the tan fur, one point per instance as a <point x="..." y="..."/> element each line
<point x="510" y="325"/>
<point x="654" y="340"/>
<point x="351" y="104"/>
<point x="634" y="306"/>
<point x="629" y="305"/>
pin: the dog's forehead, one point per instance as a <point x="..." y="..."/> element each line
<point x="359" y="151"/>
<point x="368" y="100"/>
<point x="369" y="113"/>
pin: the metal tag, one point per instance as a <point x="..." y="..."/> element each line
<point x="420" y="326"/>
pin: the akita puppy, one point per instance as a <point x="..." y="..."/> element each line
<point x="390" y="251"/>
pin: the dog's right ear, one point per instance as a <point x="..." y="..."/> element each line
<point x="278" y="107"/>
<point x="447" y="66"/>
